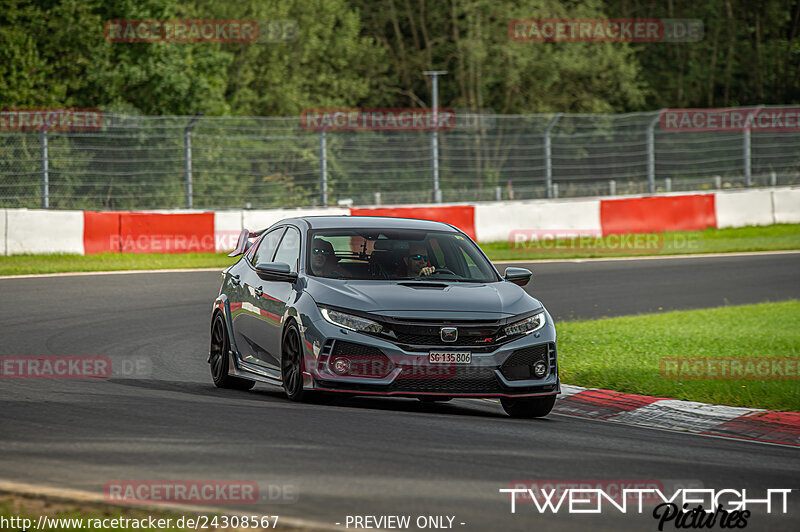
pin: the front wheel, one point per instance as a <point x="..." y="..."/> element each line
<point x="528" y="407"/>
<point x="219" y="361"/>
<point x="292" y="365"/>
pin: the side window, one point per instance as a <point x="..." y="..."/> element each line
<point x="267" y="246"/>
<point x="289" y="249"/>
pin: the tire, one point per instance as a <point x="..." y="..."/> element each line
<point x="528" y="407"/>
<point x="219" y="361"/>
<point x="292" y="365"/>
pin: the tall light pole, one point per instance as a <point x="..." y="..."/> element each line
<point x="437" y="194"/>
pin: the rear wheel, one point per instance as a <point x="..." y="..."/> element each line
<point x="219" y="361"/>
<point x="292" y="364"/>
<point x="528" y="407"/>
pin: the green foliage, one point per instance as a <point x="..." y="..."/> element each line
<point x="372" y="53"/>
<point x="750" y="53"/>
<point x="489" y="70"/>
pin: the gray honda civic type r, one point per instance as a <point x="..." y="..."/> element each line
<point x="361" y="305"/>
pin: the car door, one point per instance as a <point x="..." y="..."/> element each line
<point x="274" y="297"/>
<point x="247" y="319"/>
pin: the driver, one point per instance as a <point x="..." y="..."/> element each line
<point x="416" y="261"/>
<point x="323" y="260"/>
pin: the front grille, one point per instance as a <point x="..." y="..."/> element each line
<point x="477" y="334"/>
<point x="341" y="348"/>
<point x="430" y="339"/>
<point x="518" y="365"/>
<point x="461" y="380"/>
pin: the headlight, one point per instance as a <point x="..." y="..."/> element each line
<point x="348" y="321"/>
<point x="528" y="325"/>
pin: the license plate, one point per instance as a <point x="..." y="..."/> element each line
<point x="450" y="357"/>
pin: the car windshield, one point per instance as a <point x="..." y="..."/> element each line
<point x="374" y="254"/>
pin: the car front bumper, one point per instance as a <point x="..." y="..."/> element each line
<point x="495" y="372"/>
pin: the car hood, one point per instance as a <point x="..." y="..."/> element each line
<point x="418" y="299"/>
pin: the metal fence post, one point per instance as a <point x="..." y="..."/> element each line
<point x="651" y="155"/>
<point x="45" y="172"/>
<point x="187" y="155"/>
<point x="747" y="163"/>
<point x="555" y="190"/>
<point x="437" y="193"/>
<point x="548" y="157"/>
<point x="323" y="169"/>
<point x="773" y="179"/>
<point x="612" y="187"/>
<point x="668" y="184"/>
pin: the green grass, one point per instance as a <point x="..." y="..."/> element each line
<point x="767" y="238"/>
<point x="624" y="354"/>
<point x="22" y="264"/>
<point x="753" y="238"/>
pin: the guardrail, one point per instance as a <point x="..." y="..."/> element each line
<point x="24" y="231"/>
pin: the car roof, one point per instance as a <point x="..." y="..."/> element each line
<point x="371" y="222"/>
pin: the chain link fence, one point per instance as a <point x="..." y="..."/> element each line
<point x="139" y="162"/>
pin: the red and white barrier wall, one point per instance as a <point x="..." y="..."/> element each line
<point x="87" y="232"/>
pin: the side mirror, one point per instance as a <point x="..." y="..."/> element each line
<point x="275" y="271"/>
<point x="520" y="276"/>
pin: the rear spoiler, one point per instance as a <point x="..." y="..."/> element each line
<point x="243" y="244"/>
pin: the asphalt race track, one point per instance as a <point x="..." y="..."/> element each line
<point x="363" y="456"/>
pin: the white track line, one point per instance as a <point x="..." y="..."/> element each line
<point x="521" y="261"/>
<point x="110" y="272"/>
<point x="656" y="257"/>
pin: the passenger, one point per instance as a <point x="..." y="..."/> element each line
<point x="416" y="262"/>
<point x="323" y="260"/>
